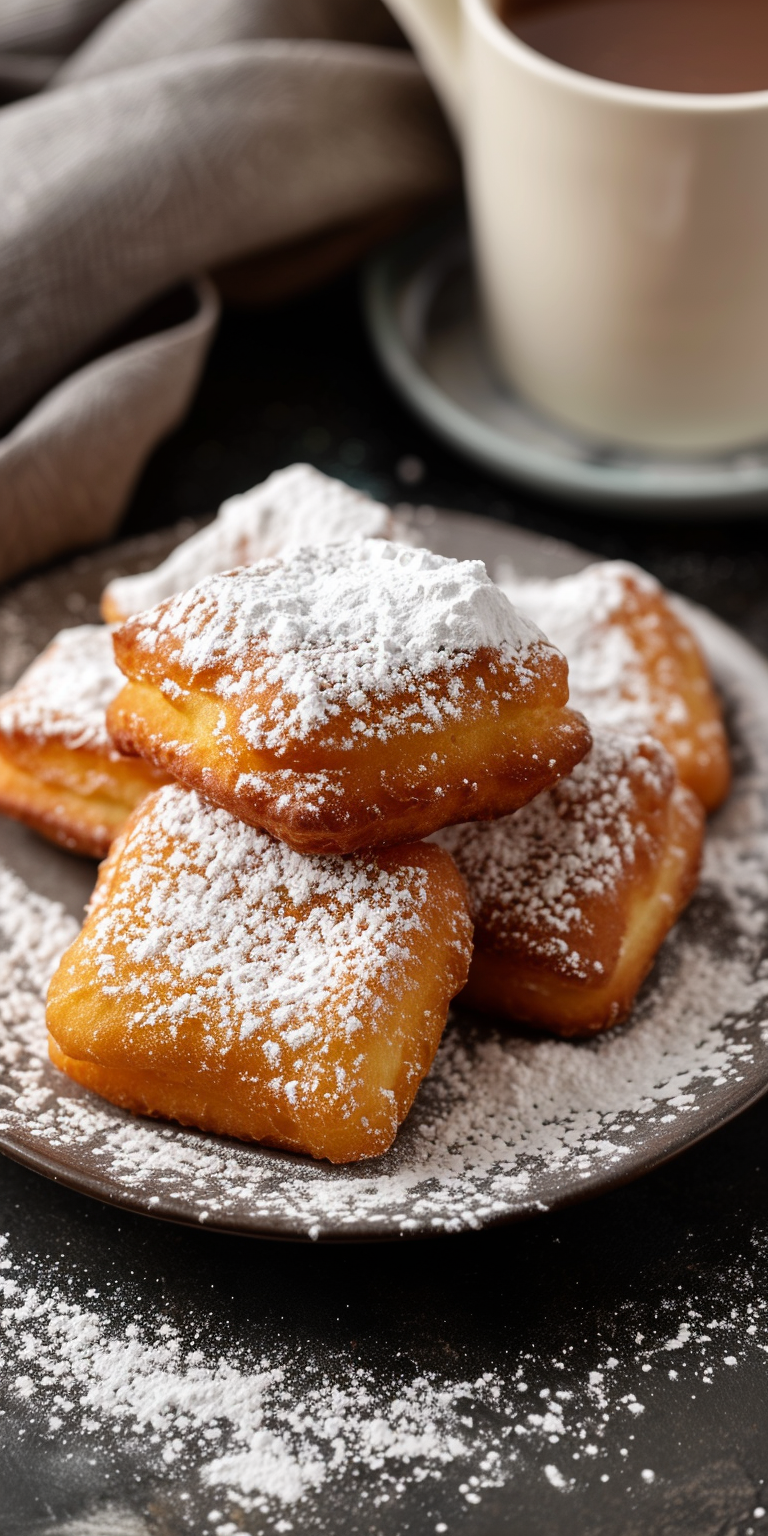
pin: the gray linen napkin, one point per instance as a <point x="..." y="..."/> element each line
<point x="180" y="135"/>
<point x="37" y="35"/>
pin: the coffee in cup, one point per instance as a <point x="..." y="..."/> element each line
<point x="619" y="229"/>
<point x="707" y="47"/>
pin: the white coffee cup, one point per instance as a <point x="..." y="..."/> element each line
<point x="620" y="236"/>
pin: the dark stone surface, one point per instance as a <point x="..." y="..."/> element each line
<point x="575" y="1287"/>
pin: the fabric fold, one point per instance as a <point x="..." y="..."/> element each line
<point x="50" y="26"/>
<point x="143" y="30"/>
<point x="67" y="470"/>
<point x="181" y="136"/>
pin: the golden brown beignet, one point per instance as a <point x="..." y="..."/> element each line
<point x="59" y="771"/>
<point x="297" y="505"/>
<point x="572" y="896"/>
<point x="635" y="665"/>
<point x="227" y="982"/>
<point x="350" y="696"/>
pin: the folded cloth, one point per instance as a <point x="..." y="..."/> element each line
<point x="180" y="136"/>
<point x="37" y="35"/>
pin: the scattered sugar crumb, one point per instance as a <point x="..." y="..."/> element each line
<point x="263" y="1441"/>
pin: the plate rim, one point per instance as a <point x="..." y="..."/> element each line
<point x="606" y="486"/>
<point x="592" y="1188"/>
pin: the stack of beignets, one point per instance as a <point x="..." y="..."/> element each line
<point x="60" y="772"/>
<point x="271" y="951"/>
<point x="344" y="697"/>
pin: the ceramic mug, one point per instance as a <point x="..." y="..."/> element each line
<point x="620" y="236"/>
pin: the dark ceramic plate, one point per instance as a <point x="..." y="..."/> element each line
<point x="507" y="1124"/>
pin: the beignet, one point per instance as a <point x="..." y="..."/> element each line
<point x="349" y="696"/>
<point x="635" y="665"/>
<point x="297" y="505"/>
<point x="59" y="771"/>
<point x="224" y="981"/>
<point x="572" y="897"/>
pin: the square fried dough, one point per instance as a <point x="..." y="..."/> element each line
<point x="227" y="982"/>
<point x="351" y="696"/>
<point x="635" y="665"/>
<point x="573" y="896"/>
<point x="60" y="773"/>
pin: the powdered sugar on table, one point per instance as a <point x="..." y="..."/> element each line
<point x="261" y="1440"/>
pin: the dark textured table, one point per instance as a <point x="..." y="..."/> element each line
<point x="641" y="1314"/>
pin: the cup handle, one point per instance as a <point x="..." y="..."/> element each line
<point x="434" y="28"/>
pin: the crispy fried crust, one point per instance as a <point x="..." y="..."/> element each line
<point x="294" y="1002"/>
<point x="635" y="664"/>
<point x="572" y="899"/>
<point x="499" y="751"/>
<point x="677" y="670"/>
<point x="59" y="771"/>
<point x="77" y="800"/>
<point x="505" y="986"/>
<point x="348" y="696"/>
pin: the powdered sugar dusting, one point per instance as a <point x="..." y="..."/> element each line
<point x="65" y="693"/>
<point x="607" y="679"/>
<point x="210" y="920"/>
<point x="503" y="1123"/>
<point x="293" y="506"/>
<point x="256" y="1437"/>
<point x="532" y="876"/>
<point x="338" y="626"/>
